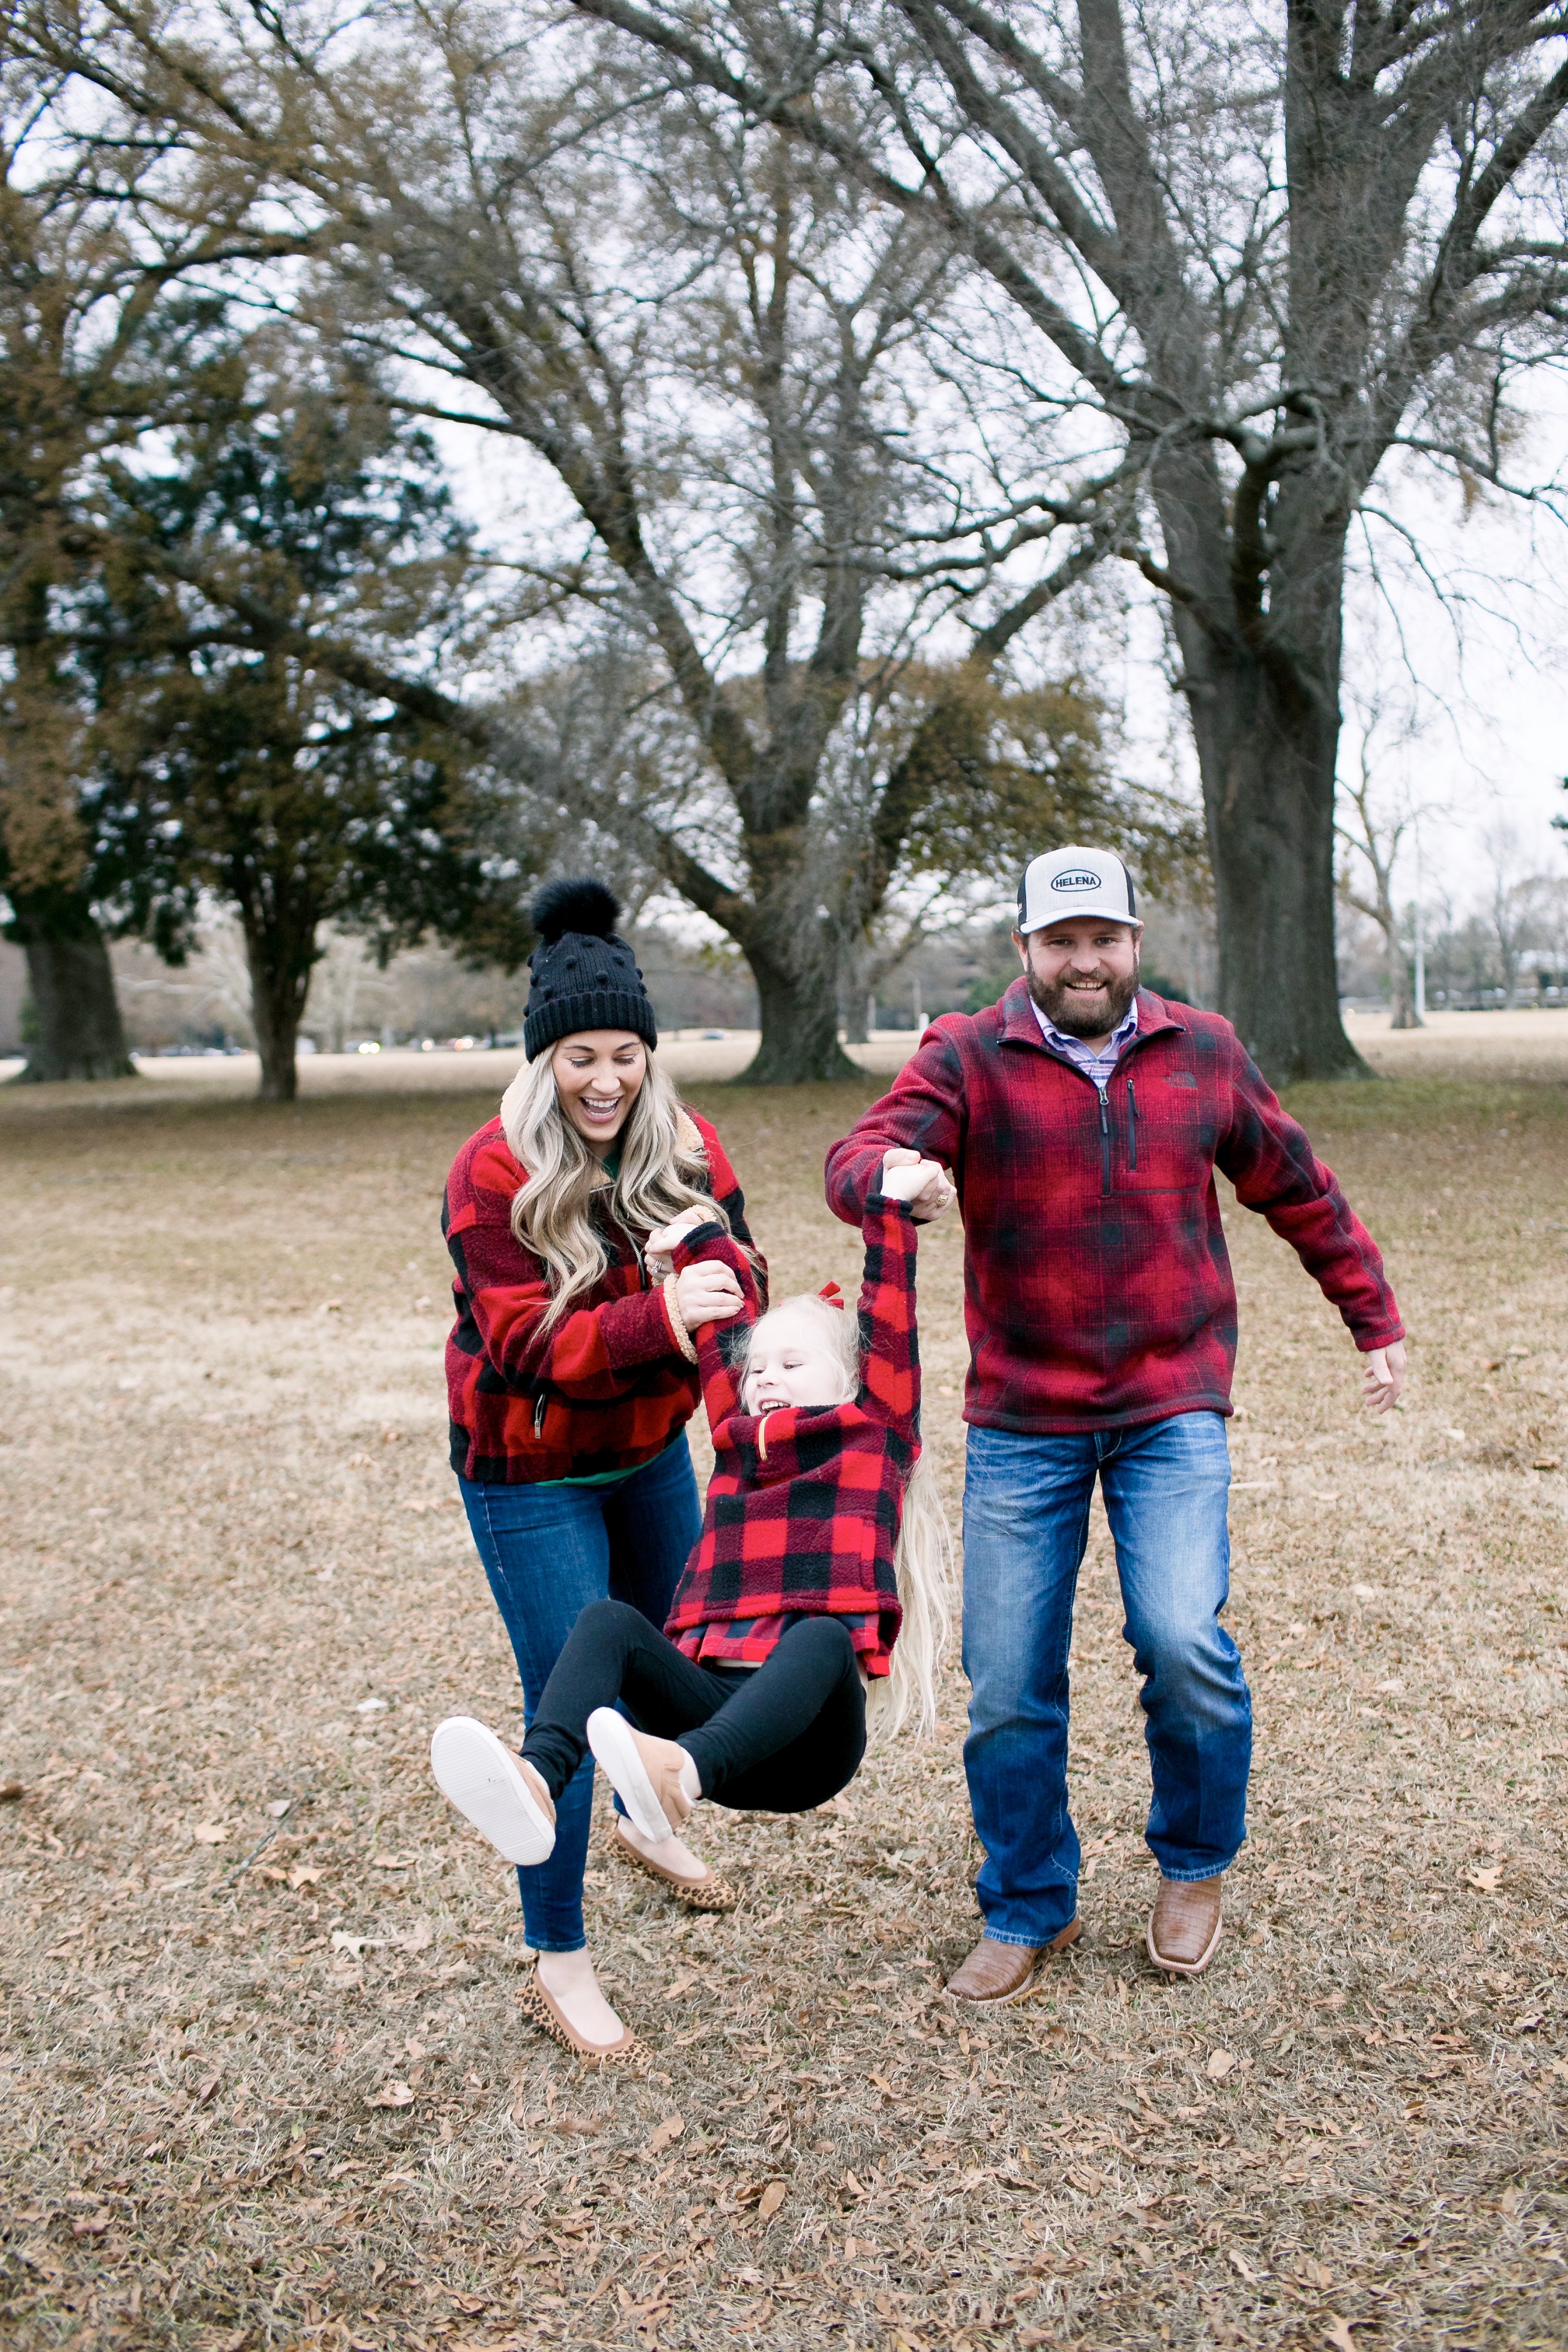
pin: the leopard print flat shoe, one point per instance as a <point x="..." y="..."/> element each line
<point x="710" y="1894"/>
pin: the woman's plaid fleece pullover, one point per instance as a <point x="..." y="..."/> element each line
<point x="804" y="1504"/>
<point x="607" y="1387"/>
<point x="1098" y="1290"/>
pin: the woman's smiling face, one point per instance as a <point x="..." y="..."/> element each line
<point x="598" y="1074"/>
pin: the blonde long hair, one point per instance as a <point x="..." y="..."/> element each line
<point x="922" y="1560"/>
<point x="662" y="1172"/>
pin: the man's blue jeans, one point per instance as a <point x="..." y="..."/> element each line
<point x="1026" y="1523"/>
<point x="548" y="1552"/>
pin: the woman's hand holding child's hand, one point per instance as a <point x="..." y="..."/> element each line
<point x="704" y="1293"/>
<point x="707" y="1294"/>
<point x="660" y="1243"/>
<point x="664" y="1237"/>
<point x="923" y="1183"/>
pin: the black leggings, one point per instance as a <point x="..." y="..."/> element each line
<point x="775" y="1739"/>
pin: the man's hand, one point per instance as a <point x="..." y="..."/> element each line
<point x="1382" y="1376"/>
<point x="707" y="1294"/>
<point x="931" y="1197"/>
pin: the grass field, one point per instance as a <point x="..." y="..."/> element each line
<point x="278" y="2092"/>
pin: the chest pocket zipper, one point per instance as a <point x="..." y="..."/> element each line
<point x="1131" y="1126"/>
<point x="540" y="1403"/>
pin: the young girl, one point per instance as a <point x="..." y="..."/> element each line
<point x="820" y="1576"/>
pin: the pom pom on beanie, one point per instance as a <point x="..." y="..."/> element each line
<point x="577" y="903"/>
<point x="584" y="975"/>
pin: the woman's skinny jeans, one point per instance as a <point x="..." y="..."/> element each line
<point x="548" y="1552"/>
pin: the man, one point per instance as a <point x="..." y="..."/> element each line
<point x="1083" y="1118"/>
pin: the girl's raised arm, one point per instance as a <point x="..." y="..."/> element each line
<point x="889" y="1342"/>
<point x="711" y="1245"/>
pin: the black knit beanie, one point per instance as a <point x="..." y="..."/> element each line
<point x="583" y="976"/>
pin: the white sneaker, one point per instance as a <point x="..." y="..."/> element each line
<point x="645" y="1773"/>
<point x="494" y="1790"/>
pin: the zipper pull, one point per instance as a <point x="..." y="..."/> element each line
<point x="539" y="1404"/>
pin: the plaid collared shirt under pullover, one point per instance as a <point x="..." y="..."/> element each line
<point x="1098" y="1290"/>
<point x="803" y="1505"/>
<point x="1100" y="1066"/>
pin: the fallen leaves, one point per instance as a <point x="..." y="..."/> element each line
<point x="1485" y="1882"/>
<point x="1338" y="2334"/>
<point x="1220" y="2063"/>
<point x="208" y="1833"/>
<point x="823" y="2043"/>
<point x="664" y="2134"/>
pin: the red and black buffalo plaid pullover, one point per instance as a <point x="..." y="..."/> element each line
<point x="1098" y="1288"/>
<point x="607" y="1388"/>
<point x="803" y="1505"/>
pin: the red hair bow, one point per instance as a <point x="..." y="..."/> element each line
<point x="830" y="1291"/>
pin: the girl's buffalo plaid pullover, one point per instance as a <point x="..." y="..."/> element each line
<point x="803" y="1505"/>
<point x="1098" y="1290"/>
<point x="607" y="1387"/>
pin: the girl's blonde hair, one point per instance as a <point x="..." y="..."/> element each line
<point x="662" y="1172"/>
<point x="922" y="1558"/>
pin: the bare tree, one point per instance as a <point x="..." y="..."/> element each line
<point x="1265" y="251"/>
<point x="1518" y="906"/>
<point x="1382" y="820"/>
<point x="717" y="349"/>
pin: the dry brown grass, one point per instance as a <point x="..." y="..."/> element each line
<point x="230" y="1530"/>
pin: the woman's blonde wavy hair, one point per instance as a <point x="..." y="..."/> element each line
<point x="922" y="1558"/>
<point x="662" y="1172"/>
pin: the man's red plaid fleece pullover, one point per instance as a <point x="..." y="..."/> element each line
<point x="607" y="1388"/>
<point x="1098" y="1290"/>
<point x="804" y="1504"/>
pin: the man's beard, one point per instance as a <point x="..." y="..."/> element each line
<point x="1072" y="1013"/>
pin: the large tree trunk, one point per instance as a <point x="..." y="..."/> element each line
<point x="280" y="965"/>
<point x="79" y="1032"/>
<point x="1264" y="704"/>
<point x="1269" y="792"/>
<point x="800" y="1028"/>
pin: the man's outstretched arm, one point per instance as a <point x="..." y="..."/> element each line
<point x="1269" y="1159"/>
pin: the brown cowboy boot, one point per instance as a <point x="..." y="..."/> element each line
<point x="1184" y="1925"/>
<point x="996" y="1973"/>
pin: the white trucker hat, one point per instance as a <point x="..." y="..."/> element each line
<point x="1075" y="882"/>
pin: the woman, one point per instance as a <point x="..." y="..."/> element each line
<point x="572" y="1374"/>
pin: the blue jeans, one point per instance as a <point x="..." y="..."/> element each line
<point x="548" y="1552"/>
<point x="1026" y="1523"/>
